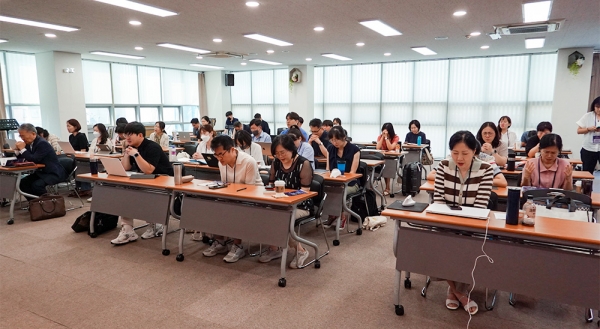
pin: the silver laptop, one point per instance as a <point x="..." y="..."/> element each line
<point x="12" y="144"/>
<point x="470" y="212"/>
<point x="113" y="166"/>
<point x="185" y="136"/>
<point x="103" y="149"/>
<point x="67" y="147"/>
<point x="266" y="147"/>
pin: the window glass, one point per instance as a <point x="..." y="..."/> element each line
<point x="170" y="114"/>
<point x="125" y="112"/>
<point x="125" y="84"/>
<point x="27" y="114"/>
<point x="22" y="79"/>
<point x="96" y="82"/>
<point x="149" y="114"/>
<point x="98" y="115"/>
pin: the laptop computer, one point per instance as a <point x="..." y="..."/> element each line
<point x="67" y="147"/>
<point x="185" y="136"/>
<point x="266" y="148"/>
<point x="211" y="160"/>
<point x="12" y="144"/>
<point x="470" y="212"/>
<point x="103" y="149"/>
<point x="113" y="166"/>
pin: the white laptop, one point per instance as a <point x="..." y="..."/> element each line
<point x="470" y="212"/>
<point x="103" y="149"/>
<point x="185" y="136"/>
<point x="266" y="148"/>
<point x="12" y="144"/>
<point x="67" y="147"/>
<point x="113" y="166"/>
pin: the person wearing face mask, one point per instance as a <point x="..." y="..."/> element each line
<point x="100" y="137"/>
<point x="258" y="135"/>
<point x="159" y="136"/>
<point x="206" y="135"/>
<point x="244" y="143"/>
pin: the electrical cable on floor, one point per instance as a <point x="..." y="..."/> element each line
<point x="475" y="266"/>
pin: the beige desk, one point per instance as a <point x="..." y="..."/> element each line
<point x="10" y="180"/>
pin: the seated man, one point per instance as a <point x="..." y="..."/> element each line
<point x="533" y="143"/>
<point x="258" y="135"/>
<point x="319" y="138"/>
<point x="235" y="167"/>
<point x="237" y="126"/>
<point x="263" y="124"/>
<point x="526" y="135"/>
<point x="293" y="119"/>
<point x="141" y="155"/>
<point x="36" y="149"/>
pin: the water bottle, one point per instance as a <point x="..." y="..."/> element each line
<point x="419" y="140"/>
<point x="172" y="153"/>
<point x="512" y="205"/>
<point x="529" y="209"/>
<point x="94" y="166"/>
<point x="177" y="172"/>
<point x="510" y="165"/>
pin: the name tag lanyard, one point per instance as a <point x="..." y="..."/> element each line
<point x="540" y="173"/>
<point x="456" y="173"/>
<point x="227" y="168"/>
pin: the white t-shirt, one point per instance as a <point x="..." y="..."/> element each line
<point x="95" y="141"/>
<point x="255" y="151"/>
<point x="509" y="139"/>
<point x="245" y="171"/>
<point x="589" y="120"/>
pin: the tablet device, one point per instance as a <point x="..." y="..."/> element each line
<point x="211" y="160"/>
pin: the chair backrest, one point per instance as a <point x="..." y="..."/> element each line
<point x="372" y="155"/>
<point x="68" y="164"/>
<point x="568" y="194"/>
<point x="265" y="178"/>
<point x="317" y="185"/>
<point x="279" y="130"/>
<point x="189" y="149"/>
<point x="362" y="169"/>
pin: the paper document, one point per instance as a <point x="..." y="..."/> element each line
<point x="470" y="212"/>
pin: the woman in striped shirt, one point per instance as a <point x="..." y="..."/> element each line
<point x="463" y="180"/>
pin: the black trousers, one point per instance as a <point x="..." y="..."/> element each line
<point x="33" y="184"/>
<point x="589" y="159"/>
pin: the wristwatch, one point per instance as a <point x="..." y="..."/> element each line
<point x="136" y="155"/>
<point x="320" y="144"/>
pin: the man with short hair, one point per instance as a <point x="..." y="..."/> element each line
<point x="34" y="148"/>
<point x="237" y="126"/>
<point x="258" y="135"/>
<point x="533" y="143"/>
<point x="327" y="125"/>
<point x="141" y="155"/>
<point x="319" y="138"/>
<point x="263" y="124"/>
<point x="293" y="119"/>
<point x="196" y="127"/>
<point x="235" y="167"/>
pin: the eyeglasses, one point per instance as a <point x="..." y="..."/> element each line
<point x="315" y="131"/>
<point x="220" y="155"/>
<point x="488" y="133"/>
<point x="281" y="153"/>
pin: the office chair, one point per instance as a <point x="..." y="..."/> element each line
<point x="315" y="215"/>
<point x="70" y="167"/>
<point x="377" y="171"/>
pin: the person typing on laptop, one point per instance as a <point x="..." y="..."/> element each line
<point x="146" y="156"/>
<point x="462" y="180"/>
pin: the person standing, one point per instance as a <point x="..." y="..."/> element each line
<point x="509" y="138"/>
<point x="588" y="126"/>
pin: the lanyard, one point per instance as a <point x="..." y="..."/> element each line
<point x="540" y="173"/>
<point x="456" y="173"/>
<point x="227" y="168"/>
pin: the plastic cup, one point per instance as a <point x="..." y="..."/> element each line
<point x="279" y="187"/>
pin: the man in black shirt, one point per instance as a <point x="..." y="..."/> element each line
<point x="263" y="124"/>
<point x="144" y="156"/>
<point x="533" y="143"/>
<point x="319" y="138"/>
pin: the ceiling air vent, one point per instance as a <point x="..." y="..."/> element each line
<point x="512" y="29"/>
<point x="225" y="54"/>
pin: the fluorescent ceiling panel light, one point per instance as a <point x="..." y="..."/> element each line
<point x="50" y="35"/>
<point x="135" y="22"/>
<point x="252" y="4"/>
<point x="338" y="57"/>
<point x="208" y="66"/>
<point x="309" y="59"/>
<point x="104" y="53"/>
<point x="460" y="13"/>
<point x="266" y="39"/>
<point x="3" y="40"/>
<point x="139" y="48"/>
<point x="319" y="28"/>
<point x="360" y="44"/>
<point x="536" y="11"/>
<point x="184" y="48"/>
<point x="38" y="24"/>
<point x="387" y="54"/>
<point x="485" y="47"/>
<point x="475" y="34"/>
<point x="264" y="62"/>
<point x="534" y="43"/>
<point x="381" y="28"/>
<point x="139" y="7"/>
<point x="243" y="63"/>
<point x="217" y="40"/>
<point x="424" y="51"/>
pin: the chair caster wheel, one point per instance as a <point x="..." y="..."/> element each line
<point x="10" y="221"/>
<point x="179" y="258"/>
<point x="336" y="242"/>
<point x="282" y="282"/>
<point x="407" y="284"/>
<point x="413" y="194"/>
<point x="206" y="240"/>
<point x="359" y="231"/>
<point x="423" y="292"/>
<point x="399" y="310"/>
<point x="317" y="264"/>
<point x="391" y="195"/>
<point x="166" y="252"/>
<point x="93" y="235"/>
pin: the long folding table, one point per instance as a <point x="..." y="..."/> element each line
<point x="10" y="179"/>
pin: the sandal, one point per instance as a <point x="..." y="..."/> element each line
<point x="469" y="305"/>
<point x="450" y="301"/>
<point x="330" y="221"/>
<point x="386" y="193"/>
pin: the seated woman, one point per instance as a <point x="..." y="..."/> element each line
<point x="50" y="138"/>
<point x="340" y="149"/>
<point x="462" y="180"/>
<point x="414" y="133"/>
<point x="387" y="141"/>
<point x="304" y="149"/>
<point x="206" y="135"/>
<point x="244" y="143"/>
<point x="489" y="138"/>
<point x="205" y="120"/>
<point x="548" y="171"/>
<point x="297" y="173"/>
<point x="101" y="138"/>
<point x="159" y="135"/>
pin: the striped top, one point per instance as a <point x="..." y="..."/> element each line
<point x="473" y="191"/>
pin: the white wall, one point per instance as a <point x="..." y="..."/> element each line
<point x="302" y="94"/>
<point x="571" y="98"/>
<point x="218" y="97"/>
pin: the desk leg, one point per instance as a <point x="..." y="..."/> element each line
<point x="302" y="240"/>
<point x="166" y="232"/>
<point x="180" y="256"/>
<point x="92" y="220"/>
<point x="282" y="281"/>
<point x="11" y="211"/>
<point x="372" y="187"/>
<point x="397" y="306"/>
<point x="351" y="213"/>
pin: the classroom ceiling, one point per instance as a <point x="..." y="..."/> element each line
<point x="105" y="27"/>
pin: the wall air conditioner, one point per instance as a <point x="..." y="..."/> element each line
<point x="539" y="27"/>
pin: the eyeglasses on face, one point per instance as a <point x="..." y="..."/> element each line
<point x="220" y="155"/>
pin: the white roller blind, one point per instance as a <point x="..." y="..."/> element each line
<point x="3" y="72"/>
<point x="366" y="101"/>
<point x="22" y="79"/>
<point x="96" y="82"/>
<point x="125" y="84"/>
<point x="149" y="82"/>
<point x="179" y="87"/>
<point x="337" y="94"/>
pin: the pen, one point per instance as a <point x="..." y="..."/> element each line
<point x="241" y="189"/>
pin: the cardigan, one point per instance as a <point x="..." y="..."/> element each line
<point x="474" y="191"/>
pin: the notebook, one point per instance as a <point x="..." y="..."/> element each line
<point x="470" y="212"/>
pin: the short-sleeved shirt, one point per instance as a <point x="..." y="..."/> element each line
<point x="154" y="155"/>
<point x="325" y="140"/>
<point x="263" y="138"/>
<point x="297" y="176"/>
<point x="306" y="151"/>
<point x="509" y="138"/>
<point x="384" y="147"/>
<point x="348" y="154"/>
<point x="79" y="141"/>
<point x="254" y="151"/>
<point x="589" y="120"/>
<point x="412" y="138"/>
<point x="502" y="149"/>
<point x="245" y="171"/>
<point x="543" y="177"/>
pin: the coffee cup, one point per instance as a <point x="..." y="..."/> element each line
<point x="279" y="187"/>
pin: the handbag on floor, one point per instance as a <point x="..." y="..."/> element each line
<point x="102" y="222"/>
<point x="47" y="206"/>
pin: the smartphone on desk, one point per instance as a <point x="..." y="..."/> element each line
<point x="294" y="193"/>
<point x="218" y="185"/>
<point x="454" y="207"/>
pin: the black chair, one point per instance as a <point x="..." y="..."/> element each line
<point x="317" y="185"/>
<point x="70" y="166"/>
<point x="265" y="178"/>
<point x="378" y="170"/>
<point x="362" y="182"/>
<point x="189" y="149"/>
<point x="279" y="130"/>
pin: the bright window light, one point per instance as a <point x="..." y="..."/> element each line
<point x="536" y="11"/>
<point x="208" y="66"/>
<point x="184" y="48"/>
<point x="381" y="28"/>
<point x="338" y="57"/>
<point x="424" y="51"/>
<point x="139" y="7"/>
<point x="266" y="39"/>
<point x="38" y="24"/>
<point x="534" y="43"/>
<point x="105" y="53"/>
<point x="264" y="62"/>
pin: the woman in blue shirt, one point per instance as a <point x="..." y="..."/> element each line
<point x="414" y="133"/>
<point x="304" y="149"/>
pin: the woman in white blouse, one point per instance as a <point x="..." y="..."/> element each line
<point x="159" y="135"/>
<point x="588" y="126"/>
<point x="509" y="138"/>
<point x="206" y="136"/>
<point x="101" y="138"/>
<point x="244" y="143"/>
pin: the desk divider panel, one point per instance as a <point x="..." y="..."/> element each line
<point x="148" y="205"/>
<point x="7" y="185"/>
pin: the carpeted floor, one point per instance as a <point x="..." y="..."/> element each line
<point x="51" y="277"/>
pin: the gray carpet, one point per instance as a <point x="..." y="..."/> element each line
<point x="51" y="277"/>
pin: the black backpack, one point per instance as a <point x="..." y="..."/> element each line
<point x="365" y="206"/>
<point x="411" y="179"/>
<point x="102" y="222"/>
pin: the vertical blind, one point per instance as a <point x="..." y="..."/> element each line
<point x="20" y="85"/>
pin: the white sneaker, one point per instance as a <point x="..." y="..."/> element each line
<point x="270" y="255"/>
<point x="235" y="254"/>
<point x="214" y="249"/>
<point x="125" y="237"/>
<point x="302" y="256"/>
<point x="89" y="200"/>
<point x="153" y="231"/>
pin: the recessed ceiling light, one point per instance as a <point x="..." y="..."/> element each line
<point x="243" y="63"/>
<point x="381" y="28"/>
<point x="534" y="43"/>
<point x="460" y="13"/>
<point x="536" y="11"/>
<point x="309" y="59"/>
<point x="139" y="7"/>
<point x="360" y="44"/>
<point x="338" y="57"/>
<point x="424" y="51"/>
<point x="266" y="39"/>
<point x="135" y="22"/>
<point x="441" y="38"/>
<point x="3" y="40"/>
<point x="387" y="54"/>
<point x="105" y="53"/>
<point x="270" y="51"/>
<point x="217" y="40"/>
<point x="50" y="35"/>
<point x="139" y="48"/>
<point x="252" y="4"/>
<point x="208" y="66"/>
<point x="38" y="24"/>
<point x="474" y="34"/>
<point x="264" y="62"/>
<point x="199" y="57"/>
<point x="184" y="48"/>
<point x="319" y="28"/>
<point x="485" y="47"/>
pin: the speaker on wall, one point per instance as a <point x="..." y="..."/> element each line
<point x="228" y="80"/>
